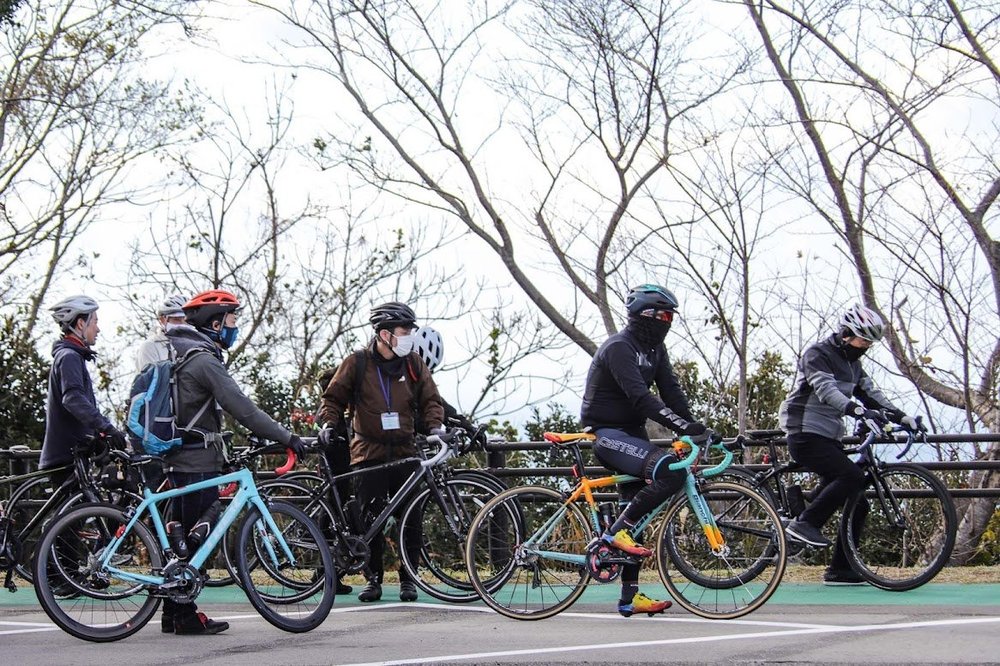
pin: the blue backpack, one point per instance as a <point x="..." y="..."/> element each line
<point x="152" y="412"/>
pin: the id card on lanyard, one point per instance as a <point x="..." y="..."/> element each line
<point x="390" y="419"/>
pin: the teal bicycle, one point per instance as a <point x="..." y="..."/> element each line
<point x="720" y="547"/>
<point x="101" y="572"/>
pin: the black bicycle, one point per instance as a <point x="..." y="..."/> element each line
<point x="435" y="506"/>
<point x="35" y="502"/>
<point x="909" y="532"/>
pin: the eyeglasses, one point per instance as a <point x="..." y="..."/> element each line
<point x="661" y="315"/>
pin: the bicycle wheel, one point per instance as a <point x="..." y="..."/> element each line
<point x="76" y="593"/>
<point x="732" y="580"/>
<point x="526" y="553"/>
<point x="292" y="594"/>
<point x="909" y="531"/>
<point x="437" y="563"/>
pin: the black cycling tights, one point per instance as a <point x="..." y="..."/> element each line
<point x="627" y="454"/>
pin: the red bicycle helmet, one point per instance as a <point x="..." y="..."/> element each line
<point x="205" y="306"/>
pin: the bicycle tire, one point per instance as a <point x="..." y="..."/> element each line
<point x="22" y="514"/>
<point x="735" y="580"/>
<point x="307" y="604"/>
<point x="516" y="579"/>
<point x="440" y="569"/>
<point x="901" y="557"/>
<point x="482" y="476"/>
<point x="77" y="598"/>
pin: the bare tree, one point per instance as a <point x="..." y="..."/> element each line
<point x="583" y="82"/>
<point x="78" y="115"/>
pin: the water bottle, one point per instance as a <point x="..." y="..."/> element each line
<point x="607" y="511"/>
<point x="796" y="500"/>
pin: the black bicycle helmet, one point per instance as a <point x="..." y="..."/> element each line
<point x="391" y="315"/>
<point x="650" y="297"/>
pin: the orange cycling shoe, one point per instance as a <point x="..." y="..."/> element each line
<point x="643" y="604"/>
<point x="624" y="542"/>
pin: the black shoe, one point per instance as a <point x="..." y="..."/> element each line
<point x="199" y="623"/>
<point x="167" y="623"/>
<point x="806" y="533"/>
<point x="343" y="588"/>
<point x="372" y="592"/>
<point x="407" y="591"/>
<point x="842" y="577"/>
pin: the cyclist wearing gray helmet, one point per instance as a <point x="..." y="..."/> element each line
<point x="830" y="384"/>
<point x="71" y="413"/>
<point x="157" y="347"/>
<point x="617" y="403"/>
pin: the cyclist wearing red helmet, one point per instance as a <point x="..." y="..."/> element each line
<point x="205" y="389"/>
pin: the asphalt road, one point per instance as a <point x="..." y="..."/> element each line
<point x="802" y="623"/>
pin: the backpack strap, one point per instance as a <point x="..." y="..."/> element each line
<point x="177" y="365"/>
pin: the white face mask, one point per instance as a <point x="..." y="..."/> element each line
<point x="404" y="345"/>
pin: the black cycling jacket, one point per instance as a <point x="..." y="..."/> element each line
<point x="617" y="394"/>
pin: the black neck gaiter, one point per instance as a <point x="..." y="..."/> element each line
<point x="648" y="331"/>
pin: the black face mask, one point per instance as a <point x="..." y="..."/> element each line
<point x="854" y="353"/>
<point x="648" y="331"/>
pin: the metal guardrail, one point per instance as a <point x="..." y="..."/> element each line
<point x="496" y="458"/>
<point x="18" y="460"/>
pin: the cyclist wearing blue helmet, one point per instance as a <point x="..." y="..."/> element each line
<point x="617" y="403"/>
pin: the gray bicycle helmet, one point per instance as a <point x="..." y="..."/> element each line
<point x="862" y="322"/>
<point x="650" y="297"/>
<point x="172" y="307"/>
<point x="429" y="345"/>
<point x="68" y="310"/>
<point x="391" y="315"/>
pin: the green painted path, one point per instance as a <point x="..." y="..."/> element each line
<point x="932" y="594"/>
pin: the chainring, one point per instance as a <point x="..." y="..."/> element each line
<point x="182" y="583"/>
<point x="598" y="565"/>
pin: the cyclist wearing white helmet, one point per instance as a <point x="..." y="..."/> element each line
<point x="71" y="413"/>
<point x="829" y="384"/>
<point x="157" y="348"/>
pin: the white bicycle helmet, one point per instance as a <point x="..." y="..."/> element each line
<point x="862" y="322"/>
<point x="66" y="311"/>
<point x="172" y="307"/>
<point x="428" y="343"/>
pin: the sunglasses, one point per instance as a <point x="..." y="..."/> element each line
<point x="661" y="315"/>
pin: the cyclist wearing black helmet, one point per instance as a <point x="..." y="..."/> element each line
<point x="830" y="384"/>
<point x="394" y="394"/>
<point x="617" y="403"/>
<point x="71" y="414"/>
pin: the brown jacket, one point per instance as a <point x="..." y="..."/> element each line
<point x="370" y="442"/>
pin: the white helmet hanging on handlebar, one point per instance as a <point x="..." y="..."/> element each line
<point x="428" y="343"/>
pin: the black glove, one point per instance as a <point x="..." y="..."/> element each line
<point x="112" y="438"/>
<point x="297" y="446"/>
<point x="328" y="437"/>
<point x="696" y="431"/>
<point x="861" y="412"/>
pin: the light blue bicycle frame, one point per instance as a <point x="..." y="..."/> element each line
<point x="695" y="500"/>
<point x="246" y="495"/>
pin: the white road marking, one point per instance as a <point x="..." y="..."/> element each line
<point x="677" y="641"/>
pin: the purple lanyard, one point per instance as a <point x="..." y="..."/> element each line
<point x="385" y="389"/>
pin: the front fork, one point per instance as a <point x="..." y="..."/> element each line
<point x="705" y="517"/>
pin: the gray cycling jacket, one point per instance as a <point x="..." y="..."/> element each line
<point x="825" y="382"/>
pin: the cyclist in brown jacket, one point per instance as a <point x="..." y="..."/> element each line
<point x="388" y="396"/>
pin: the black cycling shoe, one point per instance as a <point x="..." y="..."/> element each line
<point x="167" y="623"/>
<point x="407" y="591"/>
<point x="198" y="624"/>
<point x="842" y="577"/>
<point x="343" y="588"/>
<point x="372" y="592"/>
<point x="806" y="533"/>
